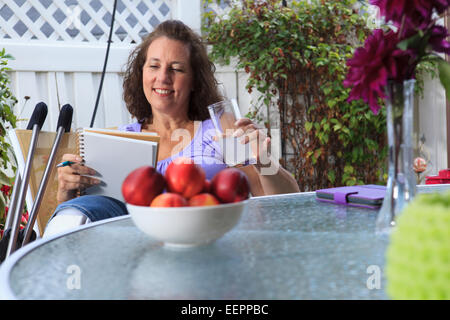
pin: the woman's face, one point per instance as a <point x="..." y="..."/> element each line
<point x="167" y="76"/>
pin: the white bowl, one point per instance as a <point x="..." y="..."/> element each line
<point x="187" y="226"/>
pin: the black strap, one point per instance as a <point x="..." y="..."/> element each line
<point x="104" y="65"/>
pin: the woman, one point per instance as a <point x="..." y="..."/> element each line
<point x="169" y="82"/>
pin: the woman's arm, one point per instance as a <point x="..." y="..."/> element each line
<point x="267" y="176"/>
<point x="281" y="181"/>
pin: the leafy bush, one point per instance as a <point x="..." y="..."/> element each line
<point x="296" y="58"/>
<point x="7" y="120"/>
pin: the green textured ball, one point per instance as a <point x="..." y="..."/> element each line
<point x="418" y="256"/>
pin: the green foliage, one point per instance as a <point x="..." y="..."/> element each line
<point x="426" y="67"/>
<point x="7" y="120"/>
<point x="296" y="59"/>
<point x="444" y="76"/>
<point x="428" y="61"/>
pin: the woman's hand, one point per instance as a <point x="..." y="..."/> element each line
<point x="248" y="132"/>
<point x="72" y="178"/>
<point x="267" y="177"/>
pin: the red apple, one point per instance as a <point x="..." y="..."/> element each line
<point x="203" y="199"/>
<point x="184" y="177"/>
<point x="207" y="186"/>
<point x="230" y="185"/>
<point x="142" y="185"/>
<point x="169" y="199"/>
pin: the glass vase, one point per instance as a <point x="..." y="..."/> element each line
<point x="401" y="183"/>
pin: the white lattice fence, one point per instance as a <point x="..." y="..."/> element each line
<point x="80" y="21"/>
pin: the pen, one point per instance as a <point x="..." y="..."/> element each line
<point x="64" y="164"/>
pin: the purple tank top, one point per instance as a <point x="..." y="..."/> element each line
<point x="202" y="149"/>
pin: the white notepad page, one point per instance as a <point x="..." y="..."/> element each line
<point x="114" y="158"/>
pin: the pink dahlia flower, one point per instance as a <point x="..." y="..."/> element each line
<point x="417" y="13"/>
<point x="372" y="65"/>
<point x="441" y="5"/>
<point x="438" y="40"/>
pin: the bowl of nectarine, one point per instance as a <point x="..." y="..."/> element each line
<point x="187" y="226"/>
<point x="183" y="208"/>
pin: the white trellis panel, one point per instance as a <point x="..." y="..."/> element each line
<point x="80" y="20"/>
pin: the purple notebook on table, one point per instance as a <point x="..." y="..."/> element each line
<point x="368" y="196"/>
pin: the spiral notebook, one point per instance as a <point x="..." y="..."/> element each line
<point x="115" y="156"/>
<point x="112" y="153"/>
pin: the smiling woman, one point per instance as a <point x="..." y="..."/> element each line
<point x="168" y="84"/>
<point x="167" y="78"/>
<point x="204" y="85"/>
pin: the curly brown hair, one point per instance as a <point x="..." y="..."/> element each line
<point x="205" y="90"/>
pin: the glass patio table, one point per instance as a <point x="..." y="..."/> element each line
<point x="285" y="247"/>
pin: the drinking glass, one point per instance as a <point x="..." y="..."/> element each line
<point x="224" y="115"/>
